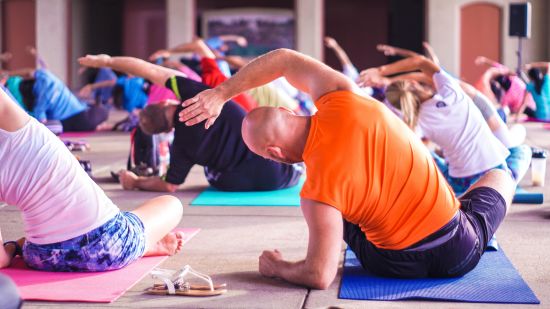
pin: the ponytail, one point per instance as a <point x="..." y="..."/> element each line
<point x="537" y="78"/>
<point x="400" y="96"/>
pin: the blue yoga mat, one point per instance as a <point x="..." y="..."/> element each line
<point x="284" y="197"/>
<point x="525" y="197"/>
<point x="494" y="280"/>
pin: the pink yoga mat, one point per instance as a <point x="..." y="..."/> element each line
<point x="100" y="287"/>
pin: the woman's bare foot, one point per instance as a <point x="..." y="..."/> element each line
<point x="169" y="245"/>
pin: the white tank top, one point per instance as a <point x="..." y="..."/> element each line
<point x="40" y="176"/>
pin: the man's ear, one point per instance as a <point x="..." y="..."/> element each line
<point x="275" y="152"/>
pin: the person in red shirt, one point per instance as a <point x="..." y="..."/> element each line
<point x="370" y="180"/>
<point x="211" y="74"/>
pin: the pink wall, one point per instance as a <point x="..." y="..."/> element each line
<point x="18" y="31"/>
<point x="480" y="35"/>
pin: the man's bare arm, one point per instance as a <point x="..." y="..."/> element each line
<point x="303" y="72"/>
<point x="133" y="66"/>
<point x="325" y="242"/>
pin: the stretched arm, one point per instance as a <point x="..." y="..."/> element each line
<point x="389" y="50"/>
<point x="539" y="65"/>
<point x="414" y="63"/>
<point x="131" y="181"/>
<point x="303" y="72"/>
<point x="87" y="89"/>
<point x="417" y="76"/>
<point x="430" y="53"/>
<point x="481" y="60"/>
<point x="325" y="241"/>
<point x="40" y="63"/>
<point x="133" y="66"/>
<point x="235" y="61"/>
<point x="338" y="50"/>
<point x="197" y="46"/>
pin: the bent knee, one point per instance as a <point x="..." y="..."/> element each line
<point x="172" y="203"/>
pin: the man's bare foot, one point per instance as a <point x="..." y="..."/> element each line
<point x="169" y="245"/>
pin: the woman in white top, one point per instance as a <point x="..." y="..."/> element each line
<point x="446" y="116"/>
<point x="70" y="224"/>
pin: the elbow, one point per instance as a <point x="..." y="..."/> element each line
<point x="322" y="283"/>
<point x="322" y="279"/>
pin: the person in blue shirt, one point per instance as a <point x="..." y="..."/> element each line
<point x="539" y="87"/>
<point x="48" y="98"/>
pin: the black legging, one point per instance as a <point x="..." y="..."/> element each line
<point x="86" y="120"/>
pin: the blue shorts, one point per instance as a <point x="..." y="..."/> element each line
<point x="111" y="246"/>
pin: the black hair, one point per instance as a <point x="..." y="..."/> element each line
<point x="118" y="96"/>
<point x="504" y="81"/>
<point x="26" y="88"/>
<point x="497" y="90"/>
<point x="536" y="76"/>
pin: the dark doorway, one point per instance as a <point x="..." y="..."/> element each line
<point x="360" y="25"/>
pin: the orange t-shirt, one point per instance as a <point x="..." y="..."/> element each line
<point x="365" y="162"/>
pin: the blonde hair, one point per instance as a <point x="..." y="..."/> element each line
<point x="403" y="97"/>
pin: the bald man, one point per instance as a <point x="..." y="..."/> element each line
<point x="370" y="180"/>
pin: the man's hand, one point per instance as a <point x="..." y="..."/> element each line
<point x="95" y="61"/>
<point x="127" y="179"/>
<point x="269" y="263"/>
<point x="161" y="53"/>
<point x="206" y="105"/>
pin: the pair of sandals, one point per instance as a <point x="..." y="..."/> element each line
<point x="175" y="283"/>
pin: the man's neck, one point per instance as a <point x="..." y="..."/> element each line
<point x="299" y="128"/>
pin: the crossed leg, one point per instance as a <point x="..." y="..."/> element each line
<point x="160" y="216"/>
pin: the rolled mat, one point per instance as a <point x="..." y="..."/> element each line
<point x="524" y="197"/>
<point x="95" y="287"/>
<point x="494" y="280"/>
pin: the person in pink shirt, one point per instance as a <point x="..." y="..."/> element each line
<point x="513" y="89"/>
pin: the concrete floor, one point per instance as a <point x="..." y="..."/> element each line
<point x="232" y="238"/>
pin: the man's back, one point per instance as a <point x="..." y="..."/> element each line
<point x="364" y="161"/>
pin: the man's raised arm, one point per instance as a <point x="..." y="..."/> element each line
<point x="303" y="72"/>
<point x="133" y="66"/>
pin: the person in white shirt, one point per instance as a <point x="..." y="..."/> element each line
<point x="446" y="115"/>
<point x="70" y="224"/>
